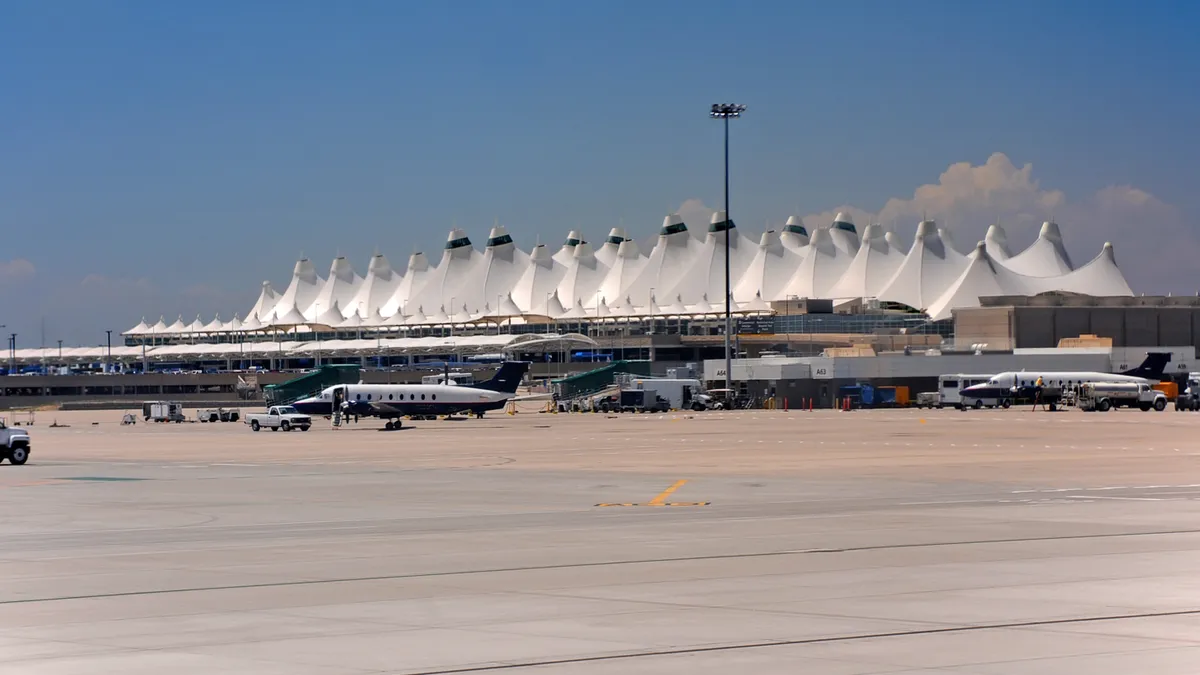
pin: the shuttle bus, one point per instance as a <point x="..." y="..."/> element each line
<point x="950" y="385"/>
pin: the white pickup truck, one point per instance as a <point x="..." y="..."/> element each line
<point x="14" y="444"/>
<point x="279" y="417"/>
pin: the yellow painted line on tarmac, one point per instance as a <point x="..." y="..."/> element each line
<point x="662" y="497"/>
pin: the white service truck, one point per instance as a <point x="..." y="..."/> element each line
<point x="1104" y="396"/>
<point x="279" y="418"/>
<point x="14" y="443"/>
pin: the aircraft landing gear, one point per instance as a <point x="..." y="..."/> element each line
<point x="391" y="426"/>
<point x="479" y="415"/>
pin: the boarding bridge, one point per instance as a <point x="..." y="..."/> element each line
<point x="597" y="380"/>
<point x="311" y="383"/>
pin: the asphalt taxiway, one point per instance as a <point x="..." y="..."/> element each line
<point x="979" y="542"/>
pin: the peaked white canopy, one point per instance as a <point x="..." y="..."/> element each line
<point x="872" y="267"/>
<point x="341" y="287"/>
<point x="376" y="289"/>
<point x="448" y="284"/>
<point x="541" y="278"/>
<point x="623" y="271"/>
<point x="1046" y="257"/>
<point x="927" y="271"/>
<point x="768" y="273"/>
<point x="300" y="293"/>
<point x="584" y="276"/>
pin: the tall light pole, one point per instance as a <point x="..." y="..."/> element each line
<point x="725" y="112"/>
<point x="108" y="364"/>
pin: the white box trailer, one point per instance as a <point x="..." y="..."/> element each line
<point x="680" y="393"/>
<point x="950" y="384"/>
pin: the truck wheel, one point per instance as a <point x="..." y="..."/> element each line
<point x="18" y="455"/>
<point x="978" y="404"/>
<point x="1006" y="403"/>
<point x="254" y="425"/>
<point x="1160" y="405"/>
<point x="1144" y="406"/>
<point x="285" y="426"/>
<point x="1103" y="405"/>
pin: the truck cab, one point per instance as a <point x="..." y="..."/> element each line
<point x="14" y="443"/>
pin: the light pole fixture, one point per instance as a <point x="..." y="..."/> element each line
<point x="725" y="112"/>
<point x="108" y="365"/>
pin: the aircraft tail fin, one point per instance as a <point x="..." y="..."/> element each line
<point x="507" y="378"/>
<point x="1153" y="367"/>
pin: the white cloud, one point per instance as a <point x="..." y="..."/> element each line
<point x="17" y="269"/>
<point x="697" y="215"/>
<point x="1153" y="241"/>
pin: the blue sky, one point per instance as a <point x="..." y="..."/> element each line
<point x="162" y="157"/>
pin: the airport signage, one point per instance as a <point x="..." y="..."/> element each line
<point x="756" y="325"/>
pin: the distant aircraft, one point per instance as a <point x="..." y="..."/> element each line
<point x="1020" y="383"/>
<point x="393" y="401"/>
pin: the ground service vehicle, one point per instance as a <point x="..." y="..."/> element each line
<point x="950" y="385"/>
<point x="279" y="418"/>
<point x="1104" y="396"/>
<point x="928" y="399"/>
<point x="1189" y="398"/>
<point x="163" y="411"/>
<point x="643" y="400"/>
<point x="217" y="415"/>
<point x="14" y="444"/>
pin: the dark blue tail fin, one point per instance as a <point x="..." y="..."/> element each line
<point x="1152" y="368"/>
<point x="507" y="378"/>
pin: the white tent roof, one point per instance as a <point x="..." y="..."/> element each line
<point x="584" y="276"/>
<point x="794" y="235"/>
<point x="462" y="316"/>
<point x="671" y="257"/>
<point x="554" y="308"/>
<point x="567" y="252"/>
<point x="448" y="283"/>
<point x="821" y="268"/>
<point x="233" y="325"/>
<point x="286" y="318"/>
<point x="417" y="318"/>
<point x="177" y="328"/>
<point x="756" y="305"/>
<point x="301" y="292"/>
<point x="1045" y="257"/>
<point x="267" y="297"/>
<point x="979" y="278"/>
<point x="623" y="270"/>
<point x="675" y="308"/>
<point x="330" y="318"/>
<point x="139" y="329"/>
<point x="768" y="273"/>
<point x="1099" y="277"/>
<point x="996" y="242"/>
<point x="872" y="267"/>
<point x="499" y="268"/>
<point x="505" y="309"/>
<point x="159" y="327"/>
<point x="411" y="283"/>
<point x="540" y="279"/>
<point x="576" y="312"/>
<point x="252" y="323"/>
<point x="376" y="289"/>
<point x="706" y="273"/>
<point x="843" y="233"/>
<point x="927" y="271"/>
<point x="196" y="326"/>
<point x="607" y="253"/>
<point x="214" y="326"/>
<point x="341" y="286"/>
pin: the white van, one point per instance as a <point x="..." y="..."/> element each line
<point x="950" y="385"/>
